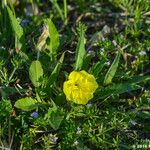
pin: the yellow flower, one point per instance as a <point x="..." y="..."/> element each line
<point x="80" y="87"/>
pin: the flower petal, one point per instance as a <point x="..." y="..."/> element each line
<point x="67" y="89"/>
<point x="74" y="75"/>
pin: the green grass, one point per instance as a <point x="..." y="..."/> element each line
<point x="41" y="42"/>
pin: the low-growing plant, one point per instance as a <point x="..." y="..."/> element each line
<point x="57" y="96"/>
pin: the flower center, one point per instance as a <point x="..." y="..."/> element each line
<point x="76" y="84"/>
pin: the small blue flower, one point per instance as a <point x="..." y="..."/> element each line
<point x="78" y="130"/>
<point x="35" y="115"/>
<point x="25" y="22"/>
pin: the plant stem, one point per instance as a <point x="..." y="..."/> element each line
<point x="54" y="2"/>
<point x="12" y="74"/>
<point x="65" y="12"/>
<point x="4" y="7"/>
<point x="38" y="54"/>
<point x="37" y="96"/>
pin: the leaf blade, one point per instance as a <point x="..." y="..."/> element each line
<point x="17" y="29"/>
<point x="112" y="70"/>
<point x="122" y="87"/>
<point x="15" y="24"/>
<point x="80" y="50"/>
<point x="97" y="68"/>
<point x="54" y="36"/>
<point x="35" y="73"/>
<point x="26" y="104"/>
<point x="54" y="116"/>
<point x="55" y="119"/>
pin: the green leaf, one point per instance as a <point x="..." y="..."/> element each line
<point x="59" y="99"/>
<point x="54" y="117"/>
<point x="80" y="50"/>
<point x="143" y="114"/>
<point x="15" y="24"/>
<point x="122" y="87"/>
<point x="26" y="104"/>
<point x="138" y="79"/>
<point x="17" y="29"/>
<point x="36" y="73"/>
<point x="55" y="73"/>
<point x="97" y="68"/>
<point x="54" y="36"/>
<point x="112" y="70"/>
<point x="116" y="89"/>
<point x="87" y="61"/>
<point x="12" y="6"/>
<point x="6" y="108"/>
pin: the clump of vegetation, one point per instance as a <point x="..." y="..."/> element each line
<point x="74" y="74"/>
